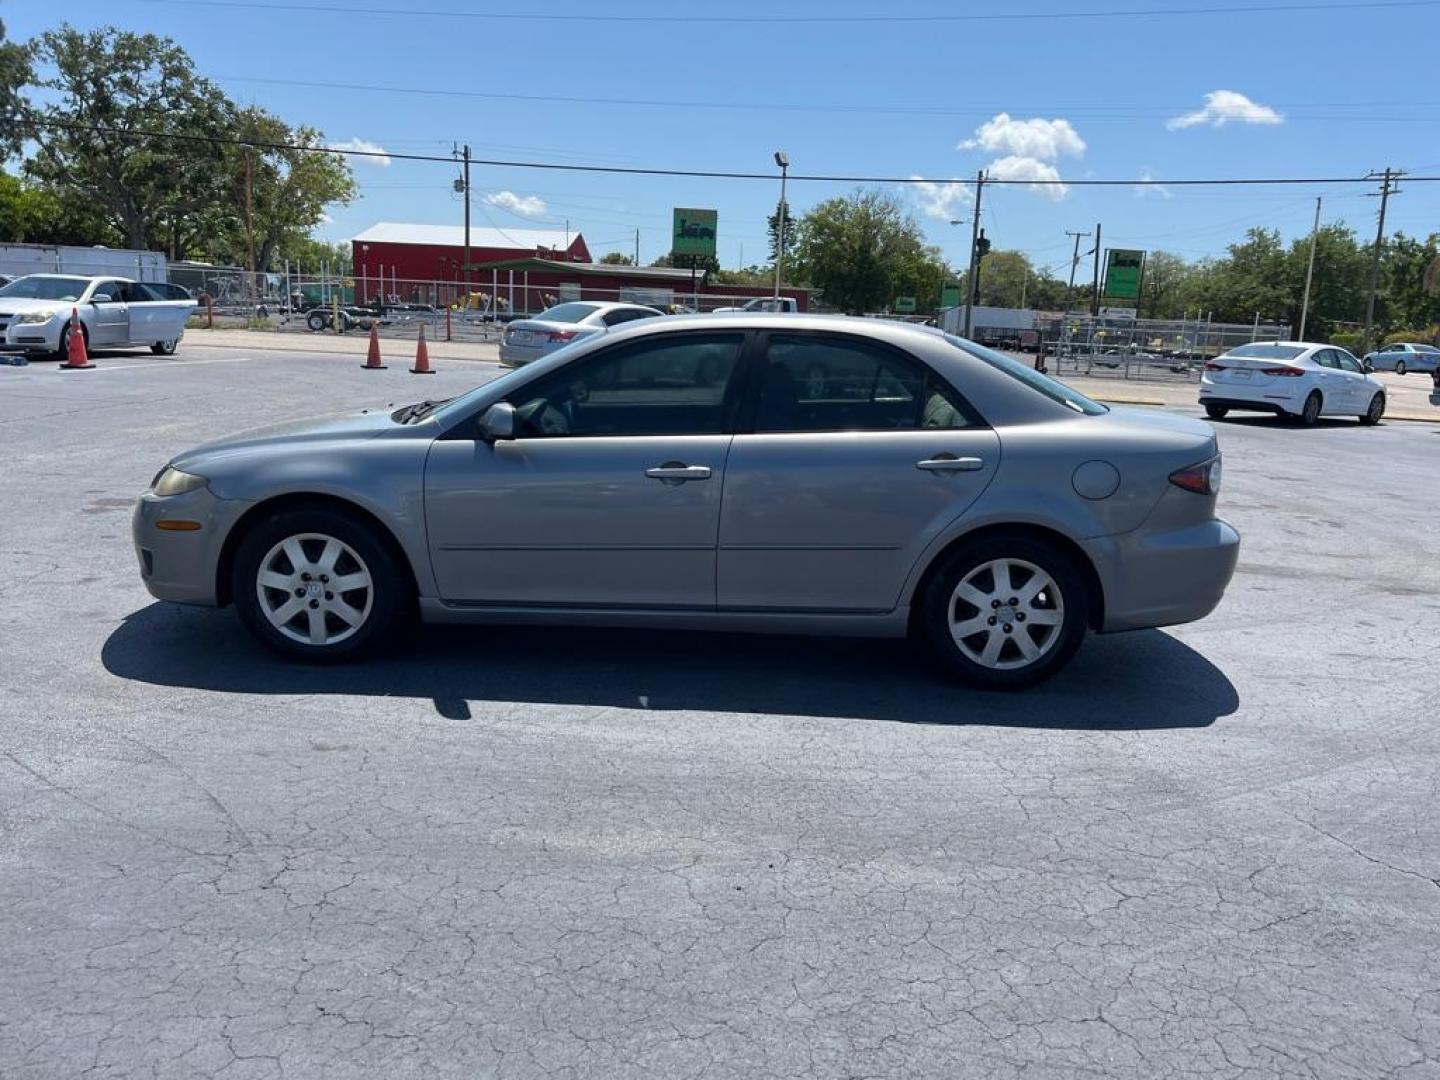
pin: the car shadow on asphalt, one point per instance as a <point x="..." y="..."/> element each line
<point x="1139" y="681"/>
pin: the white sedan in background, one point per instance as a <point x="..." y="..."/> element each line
<point x="35" y="313"/>
<point x="1296" y="380"/>
<point x="529" y="339"/>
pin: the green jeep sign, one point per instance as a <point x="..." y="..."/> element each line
<point x="1123" y="270"/>
<point x="949" y="296"/>
<point x="694" y="232"/>
<point x="905" y="305"/>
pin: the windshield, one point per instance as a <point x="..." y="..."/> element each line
<point x="1055" y="391"/>
<point x="571" y="313"/>
<point x="46" y="288"/>
<point x="1267" y="352"/>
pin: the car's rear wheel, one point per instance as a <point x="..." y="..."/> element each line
<point x="1217" y="412"/>
<point x="1400" y="367"/>
<point x="166" y="347"/>
<point x="1375" y="411"/>
<point x="1310" y="411"/>
<point x="317" y="584"/>
<point x="316" y="321"/>
<point x="1004" y="612"/>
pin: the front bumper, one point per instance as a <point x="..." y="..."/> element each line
<point x="1161" y="578"/>
<point x="182" y="566"/>
<point x="32" y="337"/>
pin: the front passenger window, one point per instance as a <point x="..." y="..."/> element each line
<point x="668" y="385"/>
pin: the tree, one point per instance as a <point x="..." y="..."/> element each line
<point x="703" y="264"/>
<point x="279" y="194"/>
<point x="30" y="214"/>
<point x="773" y="230"/>
<point x="15" y="73"/>
<point x="1406" y="303"/>
<point x="1163" y="285"/>
<point x="173" y="162"/>
<point x="616" y="258"/>
<point x="864" y="250"/>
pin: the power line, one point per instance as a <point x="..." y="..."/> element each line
<point x="708" y="174"/>
<point x="1088" y="112"/>
<point x="868" y="20"/>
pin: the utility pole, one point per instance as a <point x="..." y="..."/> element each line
<point x="971" y="285"/>
<point x="464" y="155"/>
<point x="637" y="247"/>
<point x="1386" y="190"/>
<point x="1309" y="273"/>
<point x="1074" y="262"/>
<point x="782" y="159"/>
<point x="1095" y="295"/>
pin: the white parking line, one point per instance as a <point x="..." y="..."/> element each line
<point x="166" y="365"/>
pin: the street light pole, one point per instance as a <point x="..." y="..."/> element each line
<point x="1309" y="274"/>
<point x="783" y="160"/>
<point x="971" y="292"/>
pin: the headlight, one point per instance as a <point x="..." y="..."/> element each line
<point x="170" y="481"/>
<point x="37" y="316"/>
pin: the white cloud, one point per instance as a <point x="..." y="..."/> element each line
<point x="941" y="201"/>
<point x="524" y="205"/>
<point x="1226" y="106"/>
<point x="1044" y="176"/>
<point x="1148" y="186"/>
<point x="370" y="153"/>
<point x="1038" y="138"/>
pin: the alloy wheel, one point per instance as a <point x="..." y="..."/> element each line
<point x="314" y="589"/>
<point x="1006" y="614"/>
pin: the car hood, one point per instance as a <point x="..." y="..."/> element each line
<point x="16" y="305"/>
<point x="365" y="424"/>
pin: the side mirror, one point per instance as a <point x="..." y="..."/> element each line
<point x="1369" y="367"/>
<point x="100" y="298"/>
<point x="498" y="422"/>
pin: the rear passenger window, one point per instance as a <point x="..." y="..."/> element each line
<point x="813" y="383"/>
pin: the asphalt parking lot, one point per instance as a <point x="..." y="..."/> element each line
<point x="1209" y="851"/>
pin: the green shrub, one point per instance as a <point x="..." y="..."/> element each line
<point x="1346" y="339"/>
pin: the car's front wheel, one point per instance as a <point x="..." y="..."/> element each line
<point x="1375" y="411"/>
<point x="1004" y="612"/>
<point x="1217" y="412"/>
<point x="317" y="584"/>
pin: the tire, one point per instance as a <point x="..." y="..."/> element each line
<point x="1400" y="368"/>
<point x="351" y="623"/>
<point x="1310" y="411"/>
<point x="959" y="595"/>
<point x="1375" y="411"/>
<point x="1217" y="412"/>
<point x="63" y="355"/>
<point x="316" y="321"/>
<point x="165" y="348"/>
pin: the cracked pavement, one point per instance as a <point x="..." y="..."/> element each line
<point x="1209" y="851"/>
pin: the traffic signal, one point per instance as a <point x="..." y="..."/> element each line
<point x="982" y="245"/>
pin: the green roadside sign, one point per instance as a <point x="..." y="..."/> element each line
<point x="905" y="305"/>
<point x="694" y="232"/>
<point x="950" y="296"/>
<point x="1123" y="271"/>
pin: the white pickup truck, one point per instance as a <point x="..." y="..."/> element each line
<point x="784" y="304"/>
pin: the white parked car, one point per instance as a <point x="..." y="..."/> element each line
<point x="35" y="313"/>
<point x="529" y="339"/>
<point x="1297" y="380"/>
<point x="785" y="305"/>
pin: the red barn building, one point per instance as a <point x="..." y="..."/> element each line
<point x="410" y="261"/>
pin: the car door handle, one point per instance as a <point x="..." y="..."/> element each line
<point x="950" y="463"/>
<point x="676" y="471"/>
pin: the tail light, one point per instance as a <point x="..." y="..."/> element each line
<point x="1210" y="365"/>
<point x="1202" y="479"/>
<point x="1283" y="372"/>
<point x="564" y="335"/>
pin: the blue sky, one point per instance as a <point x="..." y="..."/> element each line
<point x="1334" y="92"/>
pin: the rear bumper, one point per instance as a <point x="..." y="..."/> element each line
<point x="1274" y="396"/>
<point x="1161" y="578"/>
<point x="518" y="355"/>
<point x="1279" y="408"/>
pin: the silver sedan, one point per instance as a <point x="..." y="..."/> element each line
<point x="929" y="487"/>
<point x="526" y="340"/>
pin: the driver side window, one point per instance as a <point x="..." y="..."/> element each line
<point x="668" y="385"/>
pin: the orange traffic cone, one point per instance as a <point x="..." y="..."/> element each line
<point x="422" y="356"/>
<point x="75" y="356"/>
<point x="372" y="358"/>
